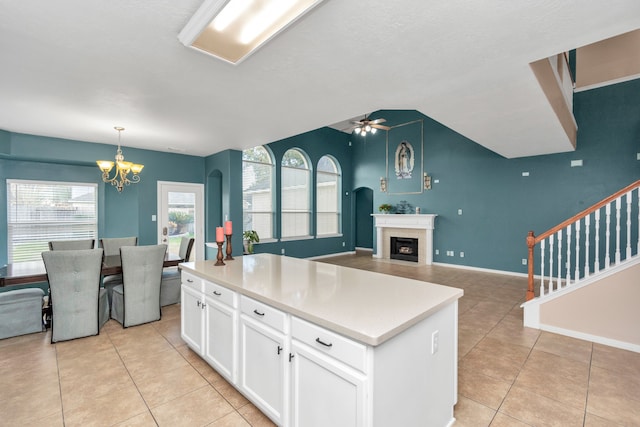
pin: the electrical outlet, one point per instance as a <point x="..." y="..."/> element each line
<point x="525" y="173"/>
<point x="343" y="244"/>
<point x="435" y="342"/>
<point x="524" y="261"/>
<point x="437" y="251"/>
<point x="282" y="251"/>
<point x="576" y="163"/>
<point x="461" y="254"/>
<point x="459" y="211"/>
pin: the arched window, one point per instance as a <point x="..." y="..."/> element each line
<point x="257" y="191"/>
<point x="328" y="190"/>
<point x="295" y="194"/>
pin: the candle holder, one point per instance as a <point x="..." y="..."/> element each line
<point x="229" y="250"/>
<point x="219" y="257"/>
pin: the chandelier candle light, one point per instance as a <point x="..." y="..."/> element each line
<point x="121" y="176"/>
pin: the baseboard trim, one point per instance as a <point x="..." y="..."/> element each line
<point x="331" y="255"/>
<point x="593" y="338"/>
<point x="484" y="270"/>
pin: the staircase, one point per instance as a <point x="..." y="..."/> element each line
<point x="588" y="275"/>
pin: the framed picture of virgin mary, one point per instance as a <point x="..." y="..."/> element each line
<point x="404" y="158"/>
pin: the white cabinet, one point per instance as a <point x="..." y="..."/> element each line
<point x="264" y="357"/>
<point x="221" y="342"/>
<point x="192" y="326"/>
<point x="325" y="390"/>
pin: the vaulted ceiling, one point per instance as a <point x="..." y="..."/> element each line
<point x="75" y="69"/>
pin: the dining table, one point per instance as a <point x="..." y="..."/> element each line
<point x="20" y="273"/>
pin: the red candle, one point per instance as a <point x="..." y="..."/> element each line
<point x="227" y="228"/>
<point x="219" y="234"/>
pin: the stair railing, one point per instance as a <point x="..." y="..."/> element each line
<point x="560" y="267"/>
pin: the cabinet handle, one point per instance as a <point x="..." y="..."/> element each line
<point x="189" y="280"/>
<point x="279" y="349"/>
<point x="203" y="305"/>
<point x="291" y="356"/>
<point x="216" y="293"/>
<point x="199" y="303"/>
<point x="319" y="341"/>
<point x="258" y="313"/>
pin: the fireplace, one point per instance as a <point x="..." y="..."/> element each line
<point x="404" y="248"/>
<point x="411" y="226"/>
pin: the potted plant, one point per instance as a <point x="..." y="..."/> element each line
<point x="250" y="237"/>
<point x="385" y="208"/>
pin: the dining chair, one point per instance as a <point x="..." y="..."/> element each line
<point x="68" y="245"/>
<point x="80" y="307"/>
<point x="137" y="299"/>
<point x="170" y="286"/>
<point x="111" y="246"/>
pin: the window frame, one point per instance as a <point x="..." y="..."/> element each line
<point x="309" y="196"/>
<point x="272" y="212"/>
<point x="338" y="192"/>
<point x="47" y="234"/>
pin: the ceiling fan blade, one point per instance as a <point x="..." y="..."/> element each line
<point x="380" y="126"/>
<point x="377" y="121"/>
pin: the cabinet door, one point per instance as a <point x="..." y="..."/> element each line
<point x="192" y="325"/>
<point x="324" y="391"/>
<point x="263" y="360"/>
<point x="221" y="338"/>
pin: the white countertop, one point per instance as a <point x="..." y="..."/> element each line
<point x="366" y="306"/>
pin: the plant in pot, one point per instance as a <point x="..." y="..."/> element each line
<point x="250" y="237"/>
<point x="385" y="208"/>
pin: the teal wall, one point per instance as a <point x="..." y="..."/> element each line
<point x="499" y="205"/>
<point x="120" y="214"/>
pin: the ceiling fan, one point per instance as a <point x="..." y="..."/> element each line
<point x="366" y="125"/>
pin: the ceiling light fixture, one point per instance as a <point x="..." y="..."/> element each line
<point x="366" y="125"/>
<point x="121" y="176"/>
<point x="231" y="30"/>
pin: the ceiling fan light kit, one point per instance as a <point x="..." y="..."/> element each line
<point x="366" y="125"/>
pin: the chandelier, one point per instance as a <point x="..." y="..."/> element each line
<point x="121" y="176"/>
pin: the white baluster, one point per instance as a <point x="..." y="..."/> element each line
<point x="551" y="264"/>
<point x="568" y="266"/>
<point x="596" y="263"/>
<point x="587" y="222"/>
<point x="542" y="267"/>
<point x="628" y="254"/>
<point x="618" y="203"/>
<point x="559" y="259"/>
<point x="607" y="258"/>
<point x="576" y="277"/>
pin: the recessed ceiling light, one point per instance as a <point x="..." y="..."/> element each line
<point x="232" y="30"/>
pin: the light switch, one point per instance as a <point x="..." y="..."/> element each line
<point x="153" y="218"/>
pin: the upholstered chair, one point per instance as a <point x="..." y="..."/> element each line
<point x="111" y="247"/>
<point x="69" y="245"/>
<point x="80" y="307"/>
<point x="170" y="287"/>
<point x="137" y="299"/>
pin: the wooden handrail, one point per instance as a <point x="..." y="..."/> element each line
<point x="533" y="240"/>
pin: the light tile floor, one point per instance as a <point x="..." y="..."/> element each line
<point x="146" y="375"/>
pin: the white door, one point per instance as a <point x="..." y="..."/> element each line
<point x="181" y="213"/>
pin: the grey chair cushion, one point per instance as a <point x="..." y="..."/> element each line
<point x="141" y="274"/>
<point x="112" y="245"/>
<point x="20" y="312"/>
<point x="170" y="288"/>
<point x="74" y="280"/>
<point x="69" y="245"/>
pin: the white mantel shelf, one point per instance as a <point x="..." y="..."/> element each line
<point x="418" y="226"/>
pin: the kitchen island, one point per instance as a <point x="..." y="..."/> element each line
<point x="314" y="344"/>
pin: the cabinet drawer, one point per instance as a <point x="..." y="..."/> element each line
<point x="191" y="281"/>
<point x="343" y="349"/>
<point x="263" y="313"/>
<point x="220" y="293"/>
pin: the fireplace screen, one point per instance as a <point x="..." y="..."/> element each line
<point x="404" y="248"/>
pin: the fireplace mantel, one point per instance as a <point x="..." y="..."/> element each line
<point x="419" y="226"/>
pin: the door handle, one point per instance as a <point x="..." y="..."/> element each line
<point x="164" y="233"/>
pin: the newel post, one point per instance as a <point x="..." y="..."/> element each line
<point x="531" y="242"/>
